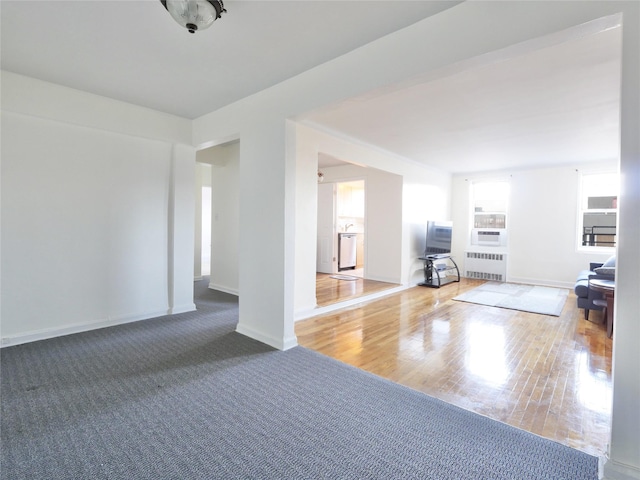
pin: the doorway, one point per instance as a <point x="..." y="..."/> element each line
<point x="202" y="237"/>
<point x="341" y="223"/>
<point x="350" y="225"/>
<point x="205" y="260"/>
<point x="342" y="213"/>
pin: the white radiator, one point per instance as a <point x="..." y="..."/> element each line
<point x="486" y="265"/>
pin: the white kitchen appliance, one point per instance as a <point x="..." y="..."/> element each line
<point x="347" y="251"/>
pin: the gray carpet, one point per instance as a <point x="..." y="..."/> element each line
<point x="184" y="397"/>
<point x="515" y="296"/>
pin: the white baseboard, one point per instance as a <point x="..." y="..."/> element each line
<point x="46" y="333"/>
<point x="305" y="312"/>
<point x="610" y="470"/>
<point x="188" y="307"/>
<point x="280" y="344"/>
<point x="541" y="282"/>
<point x="314" y="312"/>
<point x="380" y="279"/>
<point x="222" y="288"/>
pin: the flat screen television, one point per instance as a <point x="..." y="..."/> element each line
<point x="438" y="238"/>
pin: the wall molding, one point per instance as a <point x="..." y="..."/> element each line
<point x="187" y="307"/>
<point x="314" y="312"/>
<point x="539" y="281"/>
<point x="47" y="333"/>
<point x="610" y="470"/>
<point x="280" y="344"/>
<point x="222" y="288"/>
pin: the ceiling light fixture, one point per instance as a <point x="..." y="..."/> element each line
<point x="194" y="15"/>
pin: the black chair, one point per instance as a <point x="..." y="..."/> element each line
<point x="587" y="296"/>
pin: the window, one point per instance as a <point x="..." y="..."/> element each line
<point x="490" y="200"/>
<point x="598" y="209"/>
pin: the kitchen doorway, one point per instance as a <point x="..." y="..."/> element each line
<point x="340" y="263"/>
<point x="350" y="227"/>
<point x="341" y="228"/>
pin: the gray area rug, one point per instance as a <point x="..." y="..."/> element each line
<point x="527" y="298"/>
<point x="344" y="277"/>
<point x="185" y="397"/>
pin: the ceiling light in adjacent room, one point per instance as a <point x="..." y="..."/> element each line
<point x="194" y="15"/>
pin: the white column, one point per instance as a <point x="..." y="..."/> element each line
<point x="181" y="227"/>
<point x="266" y="270"/>
<point x="624" y="449"/>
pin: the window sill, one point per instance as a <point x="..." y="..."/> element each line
<point x="596" y="250"/>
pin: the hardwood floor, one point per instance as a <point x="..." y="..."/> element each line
<point x="331" y="290"/>
<point x="548" y="375"/>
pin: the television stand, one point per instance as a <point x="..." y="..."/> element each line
<point x="438" y="274"/>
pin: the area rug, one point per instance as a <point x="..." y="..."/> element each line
<point x="526" y="298"/>
<point x="344" y="277"/>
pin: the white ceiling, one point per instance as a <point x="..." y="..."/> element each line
<point x="133" y="50"/>
<point x="558" y="104"/>
<point x="550" y="105"/>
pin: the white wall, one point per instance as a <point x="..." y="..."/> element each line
<point x="384" y="253"/>
<point x="181" y="221"/>
<point x="542" y="223"/>
<point x="93" y="219"/>
<point x="422" y="202"/>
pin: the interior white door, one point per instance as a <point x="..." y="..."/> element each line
<point x="326" y="254"/>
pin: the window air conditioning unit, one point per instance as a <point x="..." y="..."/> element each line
<point x="490" y="237"/>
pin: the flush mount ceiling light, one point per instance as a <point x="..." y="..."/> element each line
<point x="194" y="15"/>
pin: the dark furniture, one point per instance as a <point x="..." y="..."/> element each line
<point x="608" y="288"/>
<point x="587" y="296"/>
<point x="440" y="273"/>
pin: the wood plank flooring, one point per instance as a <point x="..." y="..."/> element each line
<point x="548" y="375"/>
<point x="331" y="290"/>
